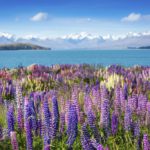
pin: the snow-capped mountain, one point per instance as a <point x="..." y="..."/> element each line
<point x="82" y="40"/>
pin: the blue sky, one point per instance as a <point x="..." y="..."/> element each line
<point x="60" y="17"/>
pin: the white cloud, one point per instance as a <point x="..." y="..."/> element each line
<point x="132" y="17"/>
<point x="40" y="16"/>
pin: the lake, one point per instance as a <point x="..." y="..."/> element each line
<point x="13" y="59"/>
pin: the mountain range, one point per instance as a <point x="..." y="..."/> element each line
<point x="82" y="40"/>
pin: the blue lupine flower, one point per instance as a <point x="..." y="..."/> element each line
<point x="28" y="125"/>
<point x="127" y="118"/>
<point x="146" y="144"/>
<point x="72" y="125"/>
<point x="91" y="122"/>
<point x="47" y="118"/>
<point x="114" y="123"/>
<point x="10" y="119"/>
<point x="55" y="116"/>
<point x="105" y="116"/>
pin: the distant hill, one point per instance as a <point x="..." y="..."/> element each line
<point x="22" y="46"/>
<point x="144" y="47"/>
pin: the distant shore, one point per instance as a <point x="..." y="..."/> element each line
<point x="22" y="46"/>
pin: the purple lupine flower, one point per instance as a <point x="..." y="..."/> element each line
<point x="33" y="115"/>
<point x="55" y="116"/>
<point x="100" y="147"/>
<point x="96" y="96"/>
<point x="142" y="102"/>
<point x="127" y="118"/>
<point x="39" y="126"/>
<point x="62" y="122"/>
<point x="47" y="147"/>
<point x="87" y="103"/>
<point x="146" y="144"/>
<point x="14" y="142"/>
<point x="67" y="106"/>
<point x="20" y="119"/>
<point x="91" y="122"/>
<point x="75" y="102"/>
<point x="147" y="120"/>
<point x="29" y="138"/>
<point x="86" y="144"/>
<point x="136" y="130"/>
<point x="1" y="132"/>
<point x="117" y="101"/>
<point x="125" y="91"/>
<point x="28" y="125"/>
<point x="103" y="93"/>
<point x="141" y="110"/>
<point x="114" y="123"/>
<point x="47" y="118"/>
<point x="19" y="98"/>
<point x="123" y="100"/>
<point x="85" y="132"/>
<point x="105" y="115"/>
<point x="133" y="103"/>
<point x="72" y="129"/>
<point x="10" y="119"/>
<point x="1" y="90"/>
<point x="46" y="140"/>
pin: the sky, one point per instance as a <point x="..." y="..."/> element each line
<point x="55" y="18"/>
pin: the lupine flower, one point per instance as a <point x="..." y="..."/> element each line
<point x="19" y="98"/>
<point x="105" y="116"/>
<point x="47" y="147"/>
<point x="14" y="142"/>
<point x="39" y="126"/>
<point x="75" y="102"/>
<point x="141" y="110"/>
<point x="28" y="125"/>
<point x="127" y="118"/>
<point x="72" y="129"/>
<point x="47" y="118"/>
<point x="133" y="103"/>
<point x="104" y="93"/>
<point x="114" y="123"/>
<point x="136" y="129"/>
<point x="147" y="121"/>
<point x="85" y="132"/>
<point x="1" y="90"/>
<point x="146" y="144"/>
<point x="125" y="89"/>
<point x="96" y="96"/>
<point x="29" y="138"/>
<point x="33" y="115"/>
<point x="91" y="122"/>
<point x="87" y="103"/>
<point x="117" y="101"/>
<point x="20" y="119"/>
<point x="100" y="147"/>
<point x="123" y="100"/>
<point x="62" y="122"/>
<point x="55" y="116"/>
<point x="10" y="119"/>
<point x="86" y="144"/>
<point x="1" y="132"/>
<point x="46" y="140"/>
<point x="67" y="106"/>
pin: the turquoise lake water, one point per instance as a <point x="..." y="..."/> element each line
<point x="12" y="59"/>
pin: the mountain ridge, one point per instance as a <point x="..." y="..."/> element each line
<point x="82" y="40"/>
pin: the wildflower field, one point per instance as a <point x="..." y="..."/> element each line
<point x="79" y="107"/>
